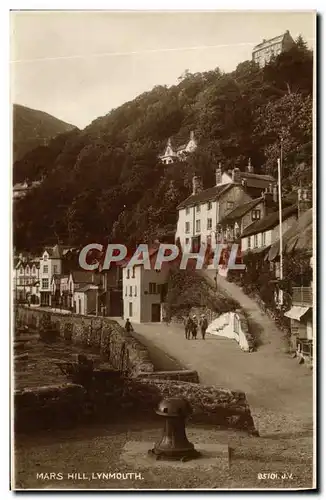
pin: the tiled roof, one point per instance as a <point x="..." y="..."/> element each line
<point x="269" y="221"/>
<point x="257" y="180"/>
<point x="297" y="237"/>
<point x="207" y="195"/>
<point x="85" y="277"/>
<point x="86" y="287"/>
<point x="254" y="181"/>
<point x="276" y="39"/>
<point x="240" y="211"/>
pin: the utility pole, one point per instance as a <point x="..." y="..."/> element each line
<point x="280" y="225"/>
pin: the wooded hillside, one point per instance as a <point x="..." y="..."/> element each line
<point x="106" y="181"/>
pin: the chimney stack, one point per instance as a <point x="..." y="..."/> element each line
<point x="218" y="175"/>
<point x="196" y="185"/>
<point x="250" y="168"/>
<point x="236" y="175"/>
<point x="192" y="135"/>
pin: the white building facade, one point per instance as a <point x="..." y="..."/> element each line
<point x="142" y="294"/>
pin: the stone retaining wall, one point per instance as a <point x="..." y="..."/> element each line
<point x="181" y="375"/>
<point x="110" y="399"/>
<point x="119" y="347"/>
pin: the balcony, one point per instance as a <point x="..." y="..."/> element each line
<point x="302" y="296"/>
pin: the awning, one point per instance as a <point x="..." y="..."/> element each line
<point x="296" y="312"/>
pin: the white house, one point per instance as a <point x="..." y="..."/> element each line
<point x="142" y="293"/>
<point x="26" y="280"/>
<point x="200" y="214"/>
<point x="259" y="235"/>
<point x="50" y="264"/>
<point x="264" y="51"/>
<point x="172" y="154"/>
<point x="83" y="290"/>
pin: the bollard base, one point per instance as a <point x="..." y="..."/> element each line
<point x="175" y="456"/>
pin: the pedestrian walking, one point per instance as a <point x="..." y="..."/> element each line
<point x="203" y="325"/>
<point x="194" y="326"/>
<point x="128" y="326"/>
<point x="188" y="327"/>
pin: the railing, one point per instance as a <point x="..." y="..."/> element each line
<point x="302" y="295"/>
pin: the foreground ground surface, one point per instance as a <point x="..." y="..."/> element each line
<point x="285" y="460"/>
<point x="279" y="392"/>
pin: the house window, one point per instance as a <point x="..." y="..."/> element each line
<point x="45" y="257"/>
<point x="21" y="271"/>
<point x="126" y="292"/>
<point x="198" y="226"/>
<point x="27" y="270"/>
<point x="209" y="205"/>
<point x="34" y="270"/>
<point x="263" y="237"/>
<point x="187" y="227"/>
<point x="45" y="283"/>
<point x="152" y="288"/>
<point x="55" y="269"/>
<point x="187" y="211"/>
<point x="135" y="291"/>
<point x="229" y="205"/>
<point x="249" y="242"/>
<point x="209" y="223"/>
<point x="255" y="214"/>
<point x="128" y="273"/>
<point x="198" y="208"/>
<point x="133" y="272"/>
<point x="130" y="309"/>
<point x="255" y="240"/>
<point x="130" y="291"/>
<point x="187" y="241"/>
<point x="45" y="269"/>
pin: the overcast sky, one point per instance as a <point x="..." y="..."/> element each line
<point x="79" y="65"/>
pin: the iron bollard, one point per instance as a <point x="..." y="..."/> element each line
<point x="174" y="444"/>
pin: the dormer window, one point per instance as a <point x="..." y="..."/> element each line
<point x="255" y="214"/>
<point x="45" y="257"/>
<point x="229" y="205"/>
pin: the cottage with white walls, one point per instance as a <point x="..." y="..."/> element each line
<point x="261" y="234"/>
<point x="143" y="291"/>
<point x="200" y="214"/>
<point x="83" y="288"/>
<point x="26" y="279"/>
<point x="172" y="154"/>
<point x="50" y="264"/>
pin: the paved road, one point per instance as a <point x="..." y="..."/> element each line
<point x="274" y="383"/>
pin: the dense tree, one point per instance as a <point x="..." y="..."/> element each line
<point x="107" y="183"/>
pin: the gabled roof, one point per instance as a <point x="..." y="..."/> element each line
<point x="81" y="287"/>
<point x="206" y="195"/>
<point x="298" y="237"/>
<point x="276" y="39"/>
<point x="240" y="211"/>
<point x="269" y="222"/>
<point x="257" y="180"/>
<point x="85" y="277"/>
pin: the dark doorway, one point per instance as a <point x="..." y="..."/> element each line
<point x="195" y="244"/>
<point x="156" y="313"/>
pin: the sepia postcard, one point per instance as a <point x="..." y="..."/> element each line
<point x="163" y="250"/>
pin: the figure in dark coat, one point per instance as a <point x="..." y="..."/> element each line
<point x="203" y="326"/>
<point x="128" y="326"/>
<point x="188" y="327"/>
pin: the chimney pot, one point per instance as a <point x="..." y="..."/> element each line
<point x="250" y="168"/>
<point x="275" y="194"/>
<point x="218" y="175"/>
<point x="236" y="175"/>
<point x="196" y="185"/>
